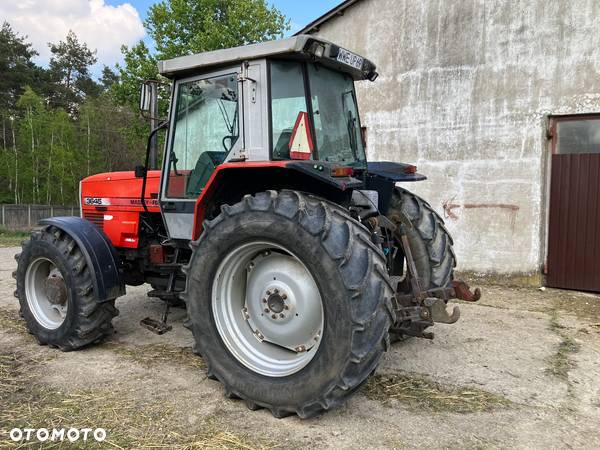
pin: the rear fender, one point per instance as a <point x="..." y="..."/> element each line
<point x="394" y="171"/>
<point x="231" y="181"/>
<point x="382" y="176"/>
<point x="99" y="253"/>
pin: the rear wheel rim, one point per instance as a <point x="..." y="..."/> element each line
<point x="46" y="293"/>
<point x="267" y="308"/>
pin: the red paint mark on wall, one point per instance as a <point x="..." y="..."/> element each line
<point x="491" y="205"/>
<point x="450" y="207"/>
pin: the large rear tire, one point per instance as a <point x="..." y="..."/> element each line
<point x="336" y="311"/>
<point x="56" y="292"/>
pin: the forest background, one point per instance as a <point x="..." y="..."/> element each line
<point x="59" y="124"/>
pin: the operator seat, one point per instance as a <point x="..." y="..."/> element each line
<point x="205" y="166"/>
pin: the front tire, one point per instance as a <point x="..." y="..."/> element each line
<point x="56" y="292"/>
<point x="430" y="245"/>
<point x="429" y="240"/>
<point x="291" y="240"/>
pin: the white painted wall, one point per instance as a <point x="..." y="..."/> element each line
<point x="464" y="91"/>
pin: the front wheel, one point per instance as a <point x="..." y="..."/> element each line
<point x="56" y="292"/>
<point x="289" y="302"/>
<point x="429" y="240"/>
<point x="430" y="245"/>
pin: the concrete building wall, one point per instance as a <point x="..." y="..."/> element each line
<point x="464" y="91"/>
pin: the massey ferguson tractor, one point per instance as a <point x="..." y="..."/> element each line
<point x="298" y="261"/>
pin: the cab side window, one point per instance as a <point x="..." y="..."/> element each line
<point x="287" y="100"/>
<point x="206" y="129"/>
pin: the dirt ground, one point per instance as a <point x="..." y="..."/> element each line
<point x="520" y="369"/>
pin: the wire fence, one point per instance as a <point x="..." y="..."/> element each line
<point x="26" y="217"/>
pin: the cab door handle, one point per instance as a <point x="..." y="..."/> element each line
<point x="169" y="206"/>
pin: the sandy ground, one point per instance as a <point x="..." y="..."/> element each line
<point x="536" y="353"/>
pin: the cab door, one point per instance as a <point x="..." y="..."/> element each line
<point x="206" y="128"/>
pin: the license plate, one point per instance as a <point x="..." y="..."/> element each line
<point x="349" y="58"/>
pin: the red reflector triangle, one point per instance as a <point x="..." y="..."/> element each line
<point x="301" y="144"/>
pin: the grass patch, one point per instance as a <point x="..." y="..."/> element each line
<point x="560" y="363"/>
<point x="150" y="355"/>
<point x="420" y="393"/>
<point x="12" y="373"/>
<point x="10" y="321"/>
<point x="130" y="422"/>
<point x="10" y="238"/>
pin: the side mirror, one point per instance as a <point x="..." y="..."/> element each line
<point x="140" y="171"/>
<point x="145" y="97"/>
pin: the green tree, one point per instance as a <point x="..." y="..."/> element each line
<point x="17" y="69"/>
<point x="182" y="27"/>
<point x="69" y="69"/>
<point x="138" y="65"/>
<point x="30" y="135"/>
<point x="111" y="136"/>
<point x="108" y="78"/>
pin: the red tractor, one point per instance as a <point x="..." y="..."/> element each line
<point x="296" y="259"/>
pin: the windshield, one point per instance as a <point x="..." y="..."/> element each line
<point x="335" y="116"/>
<point x="332" y="109"/>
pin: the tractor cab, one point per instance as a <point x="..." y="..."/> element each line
<point x="287" y="100"/>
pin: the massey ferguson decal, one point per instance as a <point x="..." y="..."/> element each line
<point x="98" y="201"/>
<point x="149" y="202"/>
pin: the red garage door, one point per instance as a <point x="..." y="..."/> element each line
<point x="574" y="223"/>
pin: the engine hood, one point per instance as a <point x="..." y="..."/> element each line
<point x="120" y="190"/>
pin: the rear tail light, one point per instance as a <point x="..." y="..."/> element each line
<point x="410" y="169"/>
<point x="341" y="171"/>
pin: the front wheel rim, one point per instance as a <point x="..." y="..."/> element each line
<point x="46" y="293"/>
<point x="267" y="308"/>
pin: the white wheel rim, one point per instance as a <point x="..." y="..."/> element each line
<point x="267" y="309"/>
<point x="46" y="293"/>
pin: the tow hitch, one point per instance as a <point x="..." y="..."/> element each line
<point x="420" y="309"/>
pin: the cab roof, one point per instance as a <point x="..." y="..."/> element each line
<point x="301" y="47"/>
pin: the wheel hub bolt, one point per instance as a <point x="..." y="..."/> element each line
<point x="282" y="315"/>
<point x="264" y="300"/>
<point x="284" y="296"/>
<point x="266" y="310"/>
<point x="274" y="316"/>
<point x="268" y="292"/>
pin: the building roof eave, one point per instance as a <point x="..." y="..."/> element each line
<point x="332" y="13"/>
